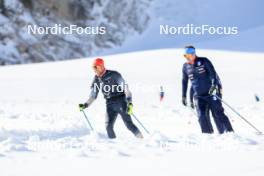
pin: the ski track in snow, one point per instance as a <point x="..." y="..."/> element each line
<point x="53" y="132"/>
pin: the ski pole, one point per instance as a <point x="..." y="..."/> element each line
<point x="140" y="123"/>
<point x="90" y="125"/>
<point x="239" y="114"/>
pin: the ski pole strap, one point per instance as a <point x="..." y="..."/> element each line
<point x="90" y="125"/>
<point x="239" y="114"/>
<point x="140" y="123"/>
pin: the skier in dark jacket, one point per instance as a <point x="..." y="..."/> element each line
<point x="117" y="95"/>
<point x="203" y="77"/>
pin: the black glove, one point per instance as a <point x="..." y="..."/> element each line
<point x="212" y="89"/>
<point x="184" y="102"/>
<point x="220" y="92"/>
<point x="83" y="106"/>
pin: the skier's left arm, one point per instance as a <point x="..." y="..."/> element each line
<point x="211" y="71"/>
<point x="128" y="94"/>
<point x="213" y="76"/>
<point x="122" y="82"/>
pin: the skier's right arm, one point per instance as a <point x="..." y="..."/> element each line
<point x="184" y="85"/>
<point x="184" y="82"/>
<point x="94" y="91"/>
<point x="91" y="98"/>
<point x="191" y="97"/>
<point x="93" y="94"/>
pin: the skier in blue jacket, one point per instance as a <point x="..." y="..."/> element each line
<point x="204" y="80"/>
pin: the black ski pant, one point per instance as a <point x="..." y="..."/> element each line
<point x="112" y="110"/>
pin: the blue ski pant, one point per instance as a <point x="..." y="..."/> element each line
<point x="203" y="105"/>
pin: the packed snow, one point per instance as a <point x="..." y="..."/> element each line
<point x="42" y="131"/>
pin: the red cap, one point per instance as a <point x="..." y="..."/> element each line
<point x="98" y="62"/>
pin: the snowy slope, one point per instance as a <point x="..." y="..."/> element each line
<point x="43" y="133"/>
<point x="247" y="16"/>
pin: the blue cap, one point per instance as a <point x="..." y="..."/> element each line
<point x="190" y="51"/>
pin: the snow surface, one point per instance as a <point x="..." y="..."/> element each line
<point x="43" y="133"/>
